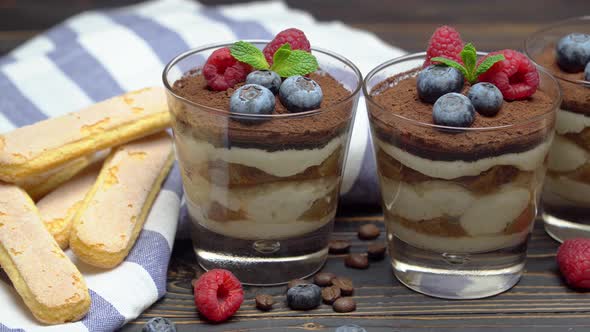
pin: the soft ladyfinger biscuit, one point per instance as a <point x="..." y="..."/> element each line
<point x="59" y="207"/>
<point x="49" y="283"/>
<point x="35" y="149"/>
<point x="113" y="212"/>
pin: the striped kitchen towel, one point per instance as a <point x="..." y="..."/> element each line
<point x="99" y="54"/>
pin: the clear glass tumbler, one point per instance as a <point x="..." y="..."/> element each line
<point x="262" y="190"/>
<point x="566" y="195"/>
<point x="459" y="204"/>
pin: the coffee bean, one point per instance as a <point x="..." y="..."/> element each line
<point x="338" y="247"/>
<point x="344" y="304"/>
<point x="296" y="282"/>
<point x="376" y="251"/>
<point x="331" y="294"/>
<point x="264" y="302"/>
<point x="368" y="232"/>
<point x="323" y="279"/>
<point x="345" y="284"/>
<point x="357" y="261"/>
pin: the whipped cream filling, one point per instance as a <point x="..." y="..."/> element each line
<point x="283" y="163"/>
<point x="570" y="122"/>
<point x="566" y="156"/>
<point x="528" y="160"/>
<point x="574" y="191"/>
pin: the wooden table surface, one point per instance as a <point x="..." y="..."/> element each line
<point x="540" y="302"/>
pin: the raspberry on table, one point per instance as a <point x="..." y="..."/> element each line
<point x="516" y="76"/>
<point x="222" y="71"/>
<point x="445" y="42"/>
<point x="218" y="295"/>
<point x="573" y="258"/>
<point x="295" y="37"/>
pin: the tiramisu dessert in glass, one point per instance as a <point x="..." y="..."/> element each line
<point x="261" y="133"/>
<point x="563" y="49"/>
<point x="461" y="140"/>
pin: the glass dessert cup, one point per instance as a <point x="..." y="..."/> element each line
<point x="566" y="194"/>
<point x="261" y="190"/>
<point x="459" y="204"/>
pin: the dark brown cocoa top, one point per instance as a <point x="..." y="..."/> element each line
<point x="397" y="97"/>
<point x="301" y="132"/>
<point x="576" y="96"/>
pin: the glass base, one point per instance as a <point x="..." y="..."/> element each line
<point x="457" y="276"/>
<point x="567" y="224"/>
<point x="262" y="262"/>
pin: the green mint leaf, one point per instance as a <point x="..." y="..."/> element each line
<point x="469" y="57"/>
<point x="281" y="54"/>
<point x="486" y="64"/>
<point x="297" y="63"/>
<point x="250" y="54"/>
<point x="450" y="63"/>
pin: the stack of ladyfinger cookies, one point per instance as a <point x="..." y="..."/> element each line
<point x="85" y="180"/>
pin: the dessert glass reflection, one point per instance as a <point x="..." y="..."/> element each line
<point x="459" y="203"/>
<point x="261" y="190"/>
<point x="566" y="195"/>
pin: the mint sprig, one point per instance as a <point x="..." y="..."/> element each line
<point x="469" y="68"/>
<point x="286" y="62"/>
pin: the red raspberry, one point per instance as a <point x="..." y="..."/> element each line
<point x="222" y="71"/>
<point x="218" y="295"/>
<point x="516" y="77"/>
<point x="573" y="257"/>
<point x="295" y="37"/>
<point x="445" y="42"/>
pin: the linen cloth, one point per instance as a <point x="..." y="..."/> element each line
<point x="99" y="54"/>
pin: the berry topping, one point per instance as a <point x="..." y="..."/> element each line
<point x="573" y="257"/>
<point x="294" y="37"/>
<point x="587" y="72"/>
<point x="267" y="78"/>
<point x="218" y="295"/>
<point x="222" y="71"/>
<point x="445" y="42"/>
<point x="299" y="94"/>
<point x="516" y="76"/>
<point x="435" y="81"/>
<point x="573" y="52"/>
<point x="453" y="110"/>
<point x="159" y="324"/>
<point x="486" y="98"/>
<point x="252" y="99"/>
<point x="304" y="297"/>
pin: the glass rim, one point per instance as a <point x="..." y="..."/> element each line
<point x="172" y="63"/>
<point x="548" y="28"/>
<point x="415" y="56"/>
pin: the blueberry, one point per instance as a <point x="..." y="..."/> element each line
<point x="486" y="98"/>
<point x="304" y="297"/>
<point x="252" y="99"/>
<point x="266" y="78"/>
<point x="434" y="81"/>
<point x="587" y="72"/>
<point x="159" y="324"/>
<point x="299" y="94"/>
<point x="573" y="52"/>
<point x="350" y="328"/>
<point x="453" y="110"/>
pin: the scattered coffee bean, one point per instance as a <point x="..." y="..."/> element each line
<point x="264" y="302"/>
<point x="324" y="279"/>
<point x="331" y="294"/>
<point x="357" y="261"/>
<point x="350" y="328"/>
<point x="376" y="251"/>
<point x="345" y="284"/>
<point x="368" y="232"/>
<point x="304" y="297"/>
<point x="296" y="282"/>
<point x="338" y="247"/>
<point x="344" y="304"/>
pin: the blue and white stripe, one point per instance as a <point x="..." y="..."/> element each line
<point x="99" y="54"/>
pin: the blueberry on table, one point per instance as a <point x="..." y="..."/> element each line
<point x="350" y="328"/>
<point x="435" y="81"/>
<point x="300" y="94"/>
<point x="486" y="98"/>
<point x="159" y="324"/>
<point x="573" y="52"/>
<point x="453" y="110"/>
<point x="304" y="297"/>
<point x="267" y="78"/>
<point x="252" y="99"/>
